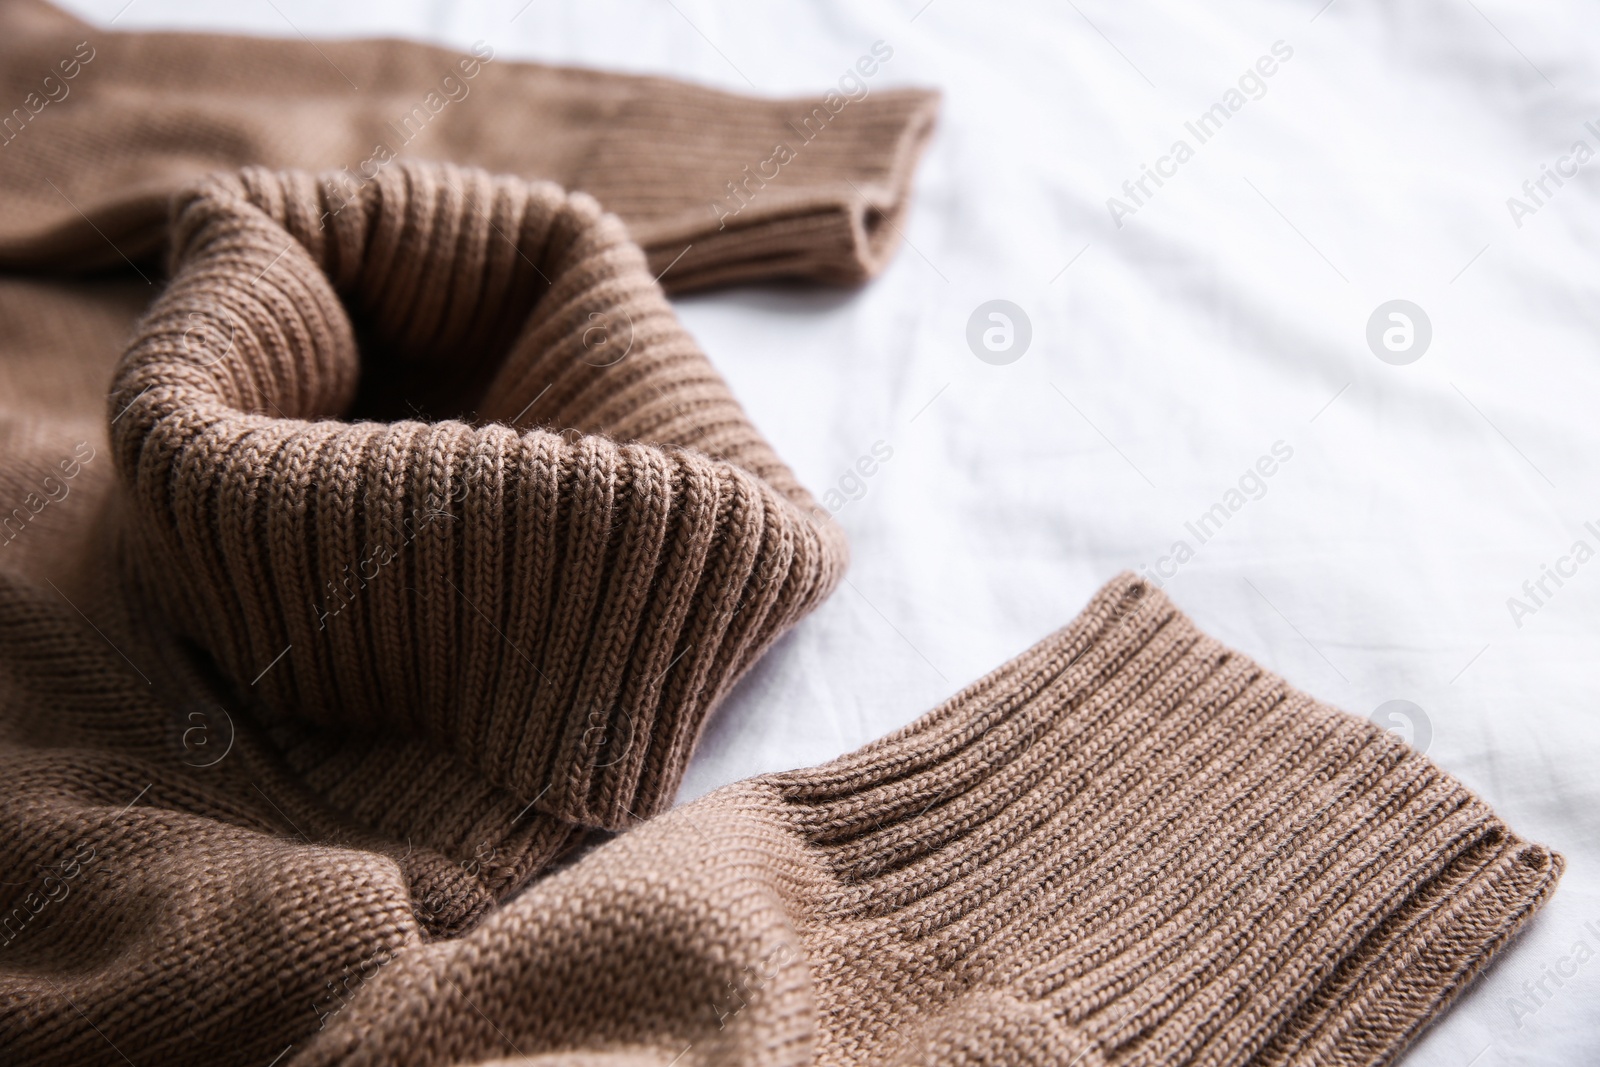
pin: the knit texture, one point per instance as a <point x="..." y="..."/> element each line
<point x="558" y="608"/>
<point x="90" y="163"/>
<point x="1127" y="846"/>
<point x="412" y="547"/>
<point x="242" y="834"/>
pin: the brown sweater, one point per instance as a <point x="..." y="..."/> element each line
<point x="415" y="541"/>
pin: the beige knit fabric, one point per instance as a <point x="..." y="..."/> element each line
<point x="415" y="541"/>
<point x="496" y="605"/>
<point x="89" y="163"/>
<point x="557" y="608"/>
<point x="579" y="517"/>
<point x="1127" y="846"/>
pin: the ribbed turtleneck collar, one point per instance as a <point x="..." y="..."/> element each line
<point x="556" y="592"/>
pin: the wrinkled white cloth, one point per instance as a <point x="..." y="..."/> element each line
<point x="1400" y="548"/>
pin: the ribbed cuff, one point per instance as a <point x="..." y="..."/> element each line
<point x="1127" y="846"/>
<point x="724" y="189"/>
<point x="1134" y="845"/>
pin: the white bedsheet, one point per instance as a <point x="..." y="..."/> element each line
<point x="1226" y="314"/>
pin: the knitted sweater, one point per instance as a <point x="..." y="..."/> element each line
<point x="415" y="541"/>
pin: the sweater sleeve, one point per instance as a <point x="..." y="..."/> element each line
<point x="1128" y="845"/>
<point x="721" y="188"/>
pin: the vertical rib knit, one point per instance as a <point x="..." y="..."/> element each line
<point x="1130" y="845"/>
<point x="555" y="590"/>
